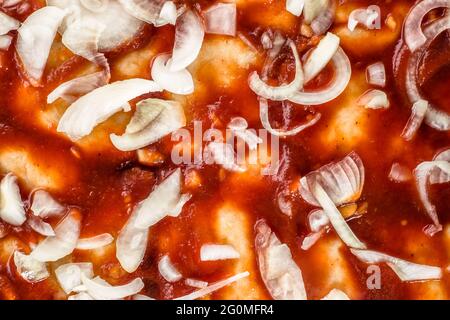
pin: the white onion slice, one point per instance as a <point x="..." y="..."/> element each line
<point x="313" y="8"/>
<point x="11" y="205"/>
<point x="29" y="268"/>
<point x="7" y="23"/>
<point x="35" y="38"/>
<point x="418" y="112"/>
<point x="323" y="22"/>
<point x="95" y="242"/>
<point x="399" y="173"/>
<point x="100" y="291"/>
<point x="282" y="92"/>
<point x="376" y="74"/>
<point x="81" y="296"/>
<point x="141" y="297"/>
<point x="44" y="206"/>
<point x="342" y="75"/>
<point x="178" y="82"/>
<point x="405" y="270"/>
<point x="281" y="275"/>
<point x="213" y="252"/>
<point x="336" y="294"/>
<point x="41" y="227"/>
<point x="145" y="10"/>
<point x="264" y="116"/>
<point x="221" y="19"/>
<point x="189" y="35"/>
<point x="374" y="99"/>
<point x="213" y="287"/>
<point x="168" y="14"/>
<point x="317" y="220"/>
<point x="196" y="283"/>
<point x="311" y="240"/>
<point x="223" y="154"/>
<point x="69" y="275"/>
<point x="5" y="42"/>
<point x="367" y="17"/>
<point x="168" y="270"/>
<point x="295" y="7"/>
<point x="63" y="243"/>
<point x="239" y="126"/>
<point x="440" y="176"/>
<point x="321" y="56"/>
<point x="95" y="5"/>
<point x="80" y="118"/>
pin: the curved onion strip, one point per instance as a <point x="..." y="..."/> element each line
<point x="405" y="270"/>
<point x="100" y="291"/>
<point x="11" y="205"/>
<point x="295" y="7"/>
<point x="178" y="82"/>
<point x="41" y="227"/>
<point x="196" y="283"/>
<point x="5" y="42"/>
<point x="317" y="220"/>
<point x="80" y="118"/>
<point x="64" y="241"/>
<point x="95" y="5"/>
<point x="223" y="154"/>
<point x="376" y="74"/>
<point x="413" y="34"/>
<point x="374" y="99"/>
<point x="342" y="75"/>
<point x="422" y="174"/>
<point x="213" y="287"/>
<point x="168" y="270"/>
<point x="7" y="23"/>
<point x="399" y="173"/>
<point x="281" y="275"/>
<point x="221" y="19"/>
<point x="337" y="220"/>
<point x="440" y="176"/>
<point x="145" y="10"/>
<point x="69" y="275"/>
<point x="168" y="14"/>
<point x="264" y="116"/>
<point x="141" y="297"/>
<point x="336" y="294"/>
<point x="311" y="240"/>
<point x="418" y="112"/>
<point x="282" y="92"/>
<point x="213" y="252"/>
<point x="313" y="8"/>
<point x="80" y="296"/>
<point x="95" y="242"/>
<point x="367" y="17"/>
<point x="323" y="22"/>
<point x="30" y="269"/>
<point x="189" y="35"/>
<point x="321" y="56"/>
<point x="44" y="206"/>
<point x="35" y="38"/>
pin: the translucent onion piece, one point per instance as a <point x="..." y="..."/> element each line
<point x="8" y="23"/>
<point x="44" y="206"/>
<point x="63" y="243"/>
<point x="100" y="291"/>
<point x="374" y="99"/>
<point x="295" y="7"/>
<point x="80" y="118"/>
<point x="321" y="56"/>
<point x="281" y="275"/>
<point x="317" y="220"/>
<point x="157" y="118"/>
<point x="196" y="283"/>
<point x="30" y="269"/>
<point x="168" y="270"/>
<point x="239" y="126"/>
<point x="189" y="35"/>
<point x="221" y="19"/>
<point x="264" y="116"/>
<point x="178" y="82"/>
<point x="95" y="242"/>
<point x="168" y="14"/>
<point x="80" y="296"/>
<point x="418" y="112"/>
<point x="214" y="287"/>
<point x="336" y="294"/>
<point x="223" y="154"/>
<point x="311" y="240"/>
<point x="145" y="10"/>
<point x="323" y="22"/>
<point x="376" y="74"/>
<point x="367" y="17"/>
<point x="41" y="227"/>
<point x="343" y="181"/>
<point x="95" y="5"/>
<point x="35" y="38"/>
<point x="11" y="205"/>
<point x="440" y="176"/>
<point x="342" y="75"/>
<point x="314" y="8"/>
<point x="69" y="275"/>
<point x="282" y="92"/>
<point x="337" y="220"/>
<point x="213" y="252"/>
<point x="141" y="297"/>
<point x="5" y="42"/>
<point x="413" y="34"/>
<point x="399" y="173"/>
<point x="405" y="270"/>
<point x="161" y="202"/>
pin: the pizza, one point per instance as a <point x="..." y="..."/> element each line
<point x="234" y="149"/>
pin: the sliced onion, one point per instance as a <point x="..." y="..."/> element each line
<point x="323" y="22"/>
<point x="376" y="74"/>
<point x="317" y="220"/>
<point x="95" y="5"/>
<point x="164" y="200"/>
<point x="189" y="35"/>
<point x="214" y="287"/>
<point x="282" y="92"/>
<point x="213" y="252"/>
<point x="311" y="240"/>
<point x="439" y="176"/>
<point x="44" y="206"/>
<point x="8" y="23"/>
<point x="418" y="112"/>
<point x="168" y="270"/>
<point x="264" y="116"/>
<point x="223" y="154"/>
<point x="221" y="19"/>
<point x="399" y="173"/>
<point x="295" y="7"/>
<point x="343" y="181"/>
<point x="374" y="99"/>
<point x="145" y="10"/>
<point x="141" y="297"/>
<point x="336" y="294"/>
<point x="69" y="275"/>
<point x="168" y="14"/>
<point x="35" y="39"/>
<point x="63" y="243"/>
<point x="11" y="205"/>
<point x="41" y="227"/>
<point x="239" y="126"/>
<point x="80" y="118"/>
<point x="321" y="56"/>
<point x="367" y="17"/>
<point x="95" y="242"/>
<point x="178" y="82"/>
<point x="405" y="270"/>
<point x="342" y="75"/>
<point x="80" y="296"/>
<point x="153" y="120"/>
<point x="29" y="268"/>
<point x="314" y="8"/>
<point x="196" y="283"/>
<point x="5" y="42"/>
<point x="281" y="275"/>
<point x="100" y="291"/>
